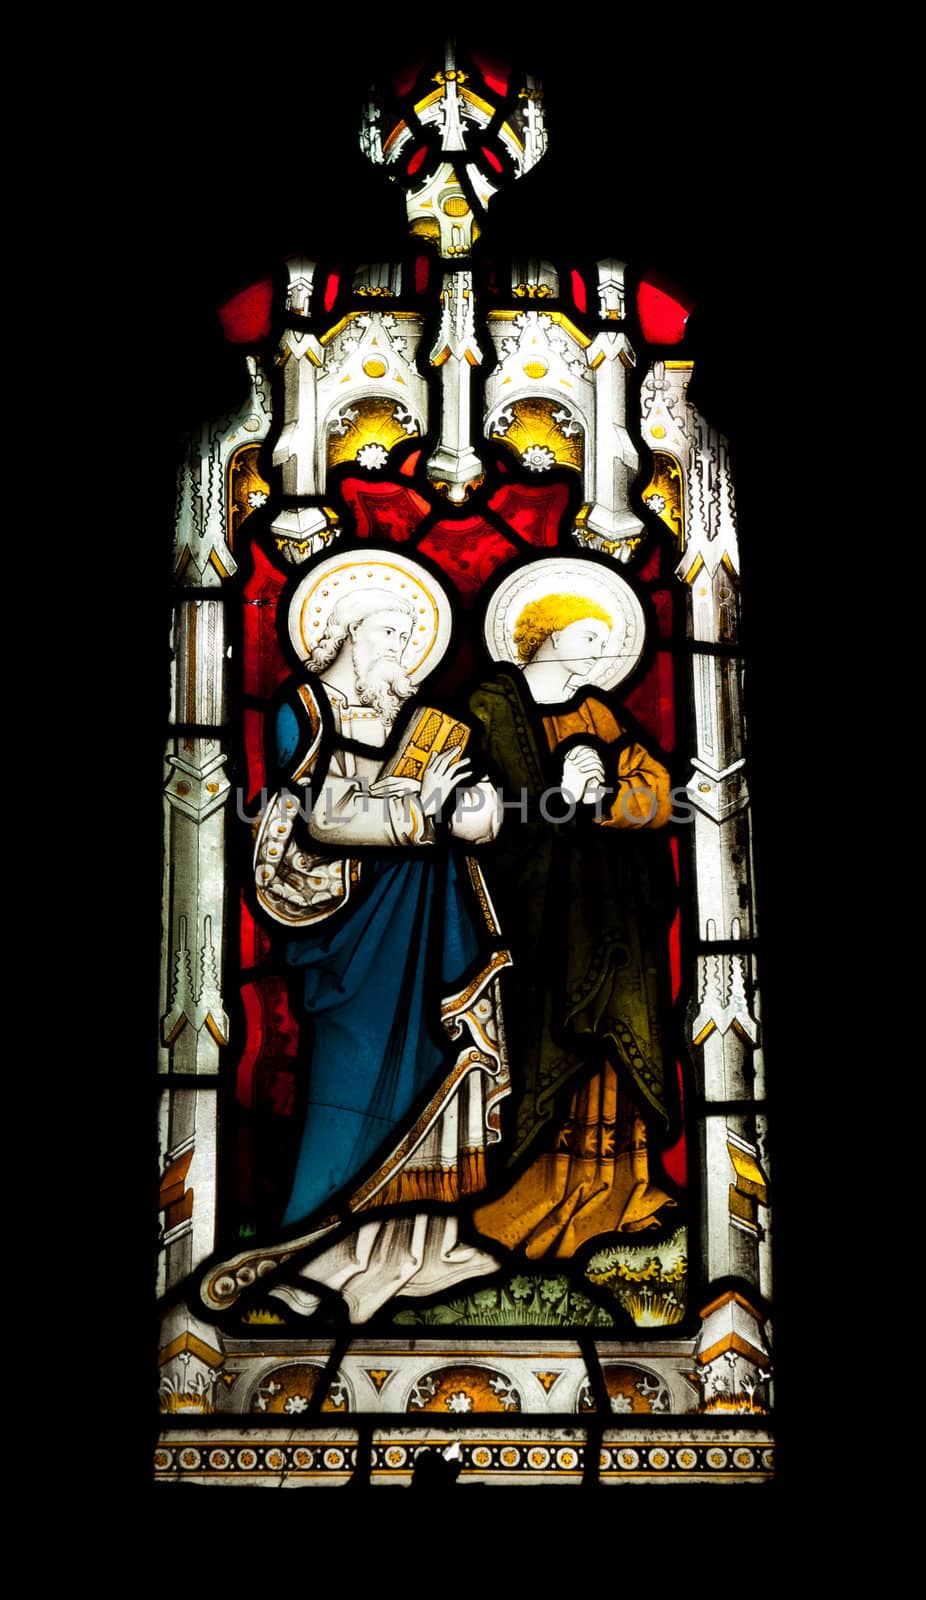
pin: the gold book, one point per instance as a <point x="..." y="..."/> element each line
<point x="430" y="733"/>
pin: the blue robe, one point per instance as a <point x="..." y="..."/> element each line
<point x="372" y="982"/>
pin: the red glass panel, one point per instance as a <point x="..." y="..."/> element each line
<point x="468" y="551"/>
<point x="245" y="318"/>
<point x="494" y="72"/>
<point x="662" y="605"/>
<point x="462" y="671"/>
<point x="265" y="1069"/>
<point x="417" y="160"/>
<point x="492" y="159"/>
<point x="663" y="309"/>
<point x="652" y="568"/>
<point x="253" y="1039"/>
<point x="254" y="751"/>
<point x="407" y="469"/>
<point x="255" y="941"/>
<point x="675" y="1160"/>
<point x="264" y="666"/>
<point x="404" y="80"/>
<point x="422" y="274"/>
<point x="383" y="510"/>
<point x="578" y="291"/>
<point x="652" y="702"/>
<point x="675" y="954"/>
<point x="533" y="511"/>
<point x="331" y="290"/>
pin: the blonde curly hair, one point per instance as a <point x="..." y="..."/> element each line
<point x="540" y="618"/>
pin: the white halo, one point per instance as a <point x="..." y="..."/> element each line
<point x="585" y="580"/>
<point x="315" y="596"/>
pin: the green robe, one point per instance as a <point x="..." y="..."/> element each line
<point x="585" y="909"/>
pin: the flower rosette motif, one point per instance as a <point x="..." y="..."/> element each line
<point x="567" y="1458"/>
<point x="247" y="1459"/>
<point x="686" y="1458"/>
<point x="334" y="1459"/>
<point x="628" y="1460"/>
<point x="303" y="1458"/>
<point x="190" y="1459"/>
<point x="538" y="458"/>
<point x="658" y="1458"/>
<point x="743" y="1458"/>
<point x="538" y="1458"/>
<point x="220" y="1460"/>
<point x="510" y="1456"/>
<point x="482" y="1456"/>
<point x="162" y="1460"/>
<point x="716" y="1457"/>
<point x="372" y="456"/>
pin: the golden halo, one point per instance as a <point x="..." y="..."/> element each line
<point x="386" y="574"/>
<point x="586" y="580"/>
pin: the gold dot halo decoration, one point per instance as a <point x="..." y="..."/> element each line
<point x="381" y="575"/>
<point x="588" y="580"/>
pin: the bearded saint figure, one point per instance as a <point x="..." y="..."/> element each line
<point x="392" y="946"/>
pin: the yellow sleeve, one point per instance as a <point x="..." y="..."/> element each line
<point x="643" y="797"/>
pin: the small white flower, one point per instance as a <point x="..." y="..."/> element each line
<point x="372" y="455"/>
<point x="425" y="1389"/>
<point x="257" y="498"/>
<point x="538" y="458"/>
<point x="296" y="1402"/>
<point x="459" y="1402"/>
<point x="568" y="426"/>
<point x="656" y="503"/>
<point x="621" y="1402"/>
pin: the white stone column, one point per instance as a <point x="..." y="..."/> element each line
<point x="723" y="1019"/>
<point x="615" y="460"/>
<point x="193" y="1027"/>
<point x="454" y="468"/>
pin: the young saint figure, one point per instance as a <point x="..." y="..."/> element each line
<point x="581" y="878"/>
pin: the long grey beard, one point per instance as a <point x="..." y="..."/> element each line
<point x="386" y="688"/>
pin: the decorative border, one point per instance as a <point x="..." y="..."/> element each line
<point x="712" y="1459"/>
<point x="716" y="1459"/>
<point x="249" y="1461"/>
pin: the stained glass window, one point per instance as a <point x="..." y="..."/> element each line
<point x="462" y="1141"/>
